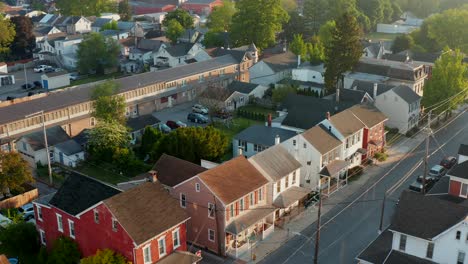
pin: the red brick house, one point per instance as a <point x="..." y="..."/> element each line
<point x="458" y="175"/>
<point x="144" y="224"/>
<point x="374" y="131"/>
<point x="201" y="7"/>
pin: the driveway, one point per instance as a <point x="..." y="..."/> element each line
<point x="15" y="90"/>
<point x="177" y="113"/>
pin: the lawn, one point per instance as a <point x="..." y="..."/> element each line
<point x="103" y="172"/>
<point x="381" y="36"/>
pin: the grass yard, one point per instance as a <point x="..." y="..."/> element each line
<point x="103" y="172"/>
<point x="381" y="36"/>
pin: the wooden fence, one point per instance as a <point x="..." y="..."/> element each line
<point x="19" y="200"/>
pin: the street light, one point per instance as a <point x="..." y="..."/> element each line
<point x="41" y="113"/>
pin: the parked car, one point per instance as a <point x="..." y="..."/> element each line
<point x="48" y="70"/>
<point x="9" y="98"/>
<point x="164" y="128"/>
<point x="448" y="162"/>
<point x="418" y="185"/>
<point x="42" y="68"/>
<point x="197" y="118"/>
<point x="27" y="86"/>
<point x="172" y="124"/>
<point x="4" y="221"/>
<point x="181" y="124"/>
<point x="37" y="84"/>
<point x="74" y="76"/>
<point x="437" y="171"/>
<point x="27" y="210"/>
<point x="223" y="114"/>
<point x="200" y="109"/>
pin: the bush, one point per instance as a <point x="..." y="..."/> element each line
<point x="19" y="240"/>
<point x="381" y="156"/>
<point x="64" y="251"/>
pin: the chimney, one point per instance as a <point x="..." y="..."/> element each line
<point x="298" y="60"/>
<point x="153" y="176"/>
<point x="240" y="151"/>
<point x="277" y="140"/>
<point x="375" y="91"/>
<point x="328" y="115"/>
<point x="269" y="120"/>
<point x="337" y="95"/>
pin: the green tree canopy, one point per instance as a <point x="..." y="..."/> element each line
<point x="85" y="7"/>
<point x="295" y="26"/>
<point x="449" y="77"/>
<point x="108" y="105"/>
<point x="316" y="13"/>
<point x="402" y="42"/>
<point x="106" y="256"/>
<point x="181" y="16"/>
<point x="106" y="138"/>
<point x="64" y="251"/>
<point x="19" y="240"/>
<point x="125" y="10"/>
<point x="7" y="36"/>
<point x="289" y="5"/>
<point x="24" y="41"/>
<point x="98" y="53"/>
<point x="420" y="8"/>
<point x="315" y="51"/>
<point x="280" y="93"/>
<point x="326" y="32"/>
<point x="14" y="173"/>
<point x="112" y="25"/>
<point x="298" y="46"/>
<point x="344" y="51"/>
<point x="258" y="21"/>
<point x="220" y="19"/>
<point x="174" y="30"/>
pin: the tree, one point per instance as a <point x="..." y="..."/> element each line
<point x="280" y="93"/>
<point x="14" y="173"/>
<point x="344" y="51"/>
<point x="174" y="30"/>
<point x="298" y="46"/>
<point x="24" y="41"/>
<point x="107" y="105"/>
<point x="98" y="53"/>
<point x="295" y="25"/>
<point x="112" y="25"/>
<point x="316" y="13"/>
<point x="220" y="18"/>
<point x="449" y="77"/>
<point x="106" y="256"/>
<point x="181" y="16"/>
<point x="106" y="138"/>
<point x="262" y="18"/>
<point x="149" y="140"/>
<point x="213" y="39"/>
<point x="85" y="7"/>
<point x="315" y="51"/>
<point x="19" y="240"/>
<point x="402" y="42"/>
<point x="64" y="251"/>
<point x="289" y="5"/>
<point x="374" y="9"/>
<point x="420" y="8"/>
<point x="7" y="36"/>
<point x="125" y="10"/>
<point x="326" y="32"/>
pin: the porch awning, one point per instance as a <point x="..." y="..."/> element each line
<point x="182" y="257"/>
<point x="245" y="221"/>
<point x="362" y="151"/>
<point x="290" y="196"/>
<point x="334" y="168"/>
<point x="377" y="143"/>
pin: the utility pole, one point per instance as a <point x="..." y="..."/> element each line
<point x="427" y="152"/>
<point x="317" y="238"/>
<point x="25" y="76"/>
<point x="382" y="212"/>
<point x="41" y="113"/>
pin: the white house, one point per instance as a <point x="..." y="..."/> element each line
<point x="32" y="146"/>
<point x="283" y="173"/>
<point x="74" y="24"/>
<point x="349" y="130"/>
<point x="42" y="31"/>
<point x="54" y="80"/>
<point x="316" y="149"/>
<point x="68" y="153"/>
<point x="273" y="69"/>
<point x="310" y="76"/>
<point x="66" y="50"/>
<point x="179" y="54"/>
<point x="143" y="51"/>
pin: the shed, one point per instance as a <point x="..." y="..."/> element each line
<point x="68" y="153"/>
<point x="54" y="80"/>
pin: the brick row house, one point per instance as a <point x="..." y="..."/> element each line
<point x="144" y="224"/>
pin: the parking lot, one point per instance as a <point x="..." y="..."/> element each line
<point x="15" y="90"/>
<point x="177" y="113"/>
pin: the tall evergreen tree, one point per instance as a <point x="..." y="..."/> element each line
<point x="298" y="46"/>
<point x="125" y="10"/>
<point x="316" y="13"/>
<point x="344" y="51"/>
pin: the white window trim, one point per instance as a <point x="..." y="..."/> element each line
<point x="59" y="227"/>
<point x="116" y="228"/>
<point x="165" y="249"/>
<point x="185" y="201"/>
<point x="197" y="187"/>
<point x="212" y="217"/>
<point x="214" y="235"/>
<point x="149" y="251"/>
<point x="42" y="237"/>
<point x="39" y="213"/>
<point x="70" y="223"/>
<point x="177" y="231"/>
<point x="96" y="213"/>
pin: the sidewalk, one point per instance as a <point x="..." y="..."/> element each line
<point x="281" y="235"/>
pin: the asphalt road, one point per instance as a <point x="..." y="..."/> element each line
<point x="348" y="233"/>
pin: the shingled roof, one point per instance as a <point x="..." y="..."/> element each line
<point x="460" y="170"/>
<point x="264" y="135"/>
<point x="368" y="114"/>
<point x="55" y="135"/>
<point x="406" y="94"/>
<point x="172" y="170"/>
<point x="322" y="139"/>
<point x="146" y="211"/>
<point x="80" y="192"/>
<point x="275" y="163"/>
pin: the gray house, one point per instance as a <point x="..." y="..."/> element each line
<point x="257" y="138"/>
<point x="273" y="69"/>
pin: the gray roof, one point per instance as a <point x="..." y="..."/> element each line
<point x="427" y="216"/>
<point x="100" y="21"/>
<point x="460" y="170"/>
<point x="66" y="97"/>
<point x="377" y="251"/>
<point x="463" y="150"/>
<point x="275" y="163"/>
<point x="348" y="95"/>
<point x="123" y="25"/>
<point x="242" y="87"/>
<point x="406" y="94"/>
<point x="281" y="62"/>
<point x="69" y="147"/>
<point x="368" y="87"/>
<point x="41" y="31"/>
<point x="56" y="74"/>
<point x="264" y="135"/>
<point x="392" y="69"/>
<point x="398" y="257"/>
<point x="55" y="135"/>
<point x="238" y="55"/>
<point x="149" y="44"/>
<point x="180" y="49"/>
<point x="140" y="122"/>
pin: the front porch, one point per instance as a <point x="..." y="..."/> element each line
<point x="333" y="177"/>
<point x="289" y="203"/>
<point x="245" y="231"/>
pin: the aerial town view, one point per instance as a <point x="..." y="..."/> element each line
<point x="233" y="131"/>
